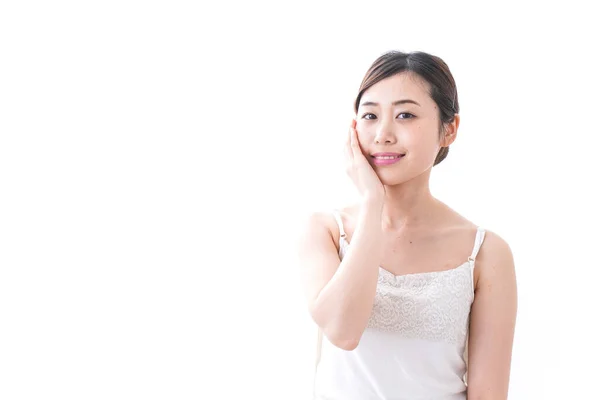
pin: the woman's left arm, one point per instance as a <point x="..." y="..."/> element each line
<point x="492" y="326"/>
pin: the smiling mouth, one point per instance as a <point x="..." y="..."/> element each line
<point x="387" y="157"/>
<point x="387" y="160"/>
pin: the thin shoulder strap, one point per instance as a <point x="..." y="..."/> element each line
<point x="478" y="241"/>
<point x="336" y="214"/>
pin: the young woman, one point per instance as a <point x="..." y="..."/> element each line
<point x="400" y="283"/>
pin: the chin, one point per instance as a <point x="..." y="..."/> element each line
<point x="393" y="178"/>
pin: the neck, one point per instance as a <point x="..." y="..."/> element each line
<point x="409" y="204"/>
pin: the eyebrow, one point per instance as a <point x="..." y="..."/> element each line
<point x="397" y="102"/>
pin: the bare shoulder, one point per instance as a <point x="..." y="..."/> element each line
<point x="496" y="244"/>
<point x="494" y="249"/>
<point x="321" y="222"/>
<point x="318" y="252"/>
<point x="494" y="260"/>
<point x="493" y="319"/>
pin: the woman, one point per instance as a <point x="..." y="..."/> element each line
<point x="400" y="283"/>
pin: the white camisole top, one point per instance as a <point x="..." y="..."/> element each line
<point x="414" y="346"/>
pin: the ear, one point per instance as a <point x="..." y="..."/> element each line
<point x="450" y="132"/>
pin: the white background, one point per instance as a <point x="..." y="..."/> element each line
<point x="157" y="157"/>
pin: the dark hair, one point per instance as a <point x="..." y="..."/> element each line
<point x="429" y="67"/>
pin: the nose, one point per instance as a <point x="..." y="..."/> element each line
<point x="385" y="132"/>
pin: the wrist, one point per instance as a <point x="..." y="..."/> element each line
<point x="372" y="204"/>
<point x="372" y="200"/>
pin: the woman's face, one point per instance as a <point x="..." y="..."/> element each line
<point x="398" y="115"/>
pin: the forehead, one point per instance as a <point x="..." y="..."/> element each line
<point x="404" y="85"/>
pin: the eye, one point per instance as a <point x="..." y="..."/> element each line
<point x="367" y="114"/>
<point x="370" y="116"/>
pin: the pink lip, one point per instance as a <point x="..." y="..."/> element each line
<point x="388" y="161"/>
<point x="386" y="154"/>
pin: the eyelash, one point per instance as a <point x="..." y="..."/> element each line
<point x="369" y="119"/>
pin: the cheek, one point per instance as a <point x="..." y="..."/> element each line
<point x="424" y="138"/>
<point x="360" y="128"/>
<point x="363" y="134"/>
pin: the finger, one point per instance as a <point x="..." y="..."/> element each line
<point x="352" y="141"/>
<point x="348" y="145"/>
<point x="356" y="150"/>
<point x="348" y="150"/>
<point x="352" y="137"/>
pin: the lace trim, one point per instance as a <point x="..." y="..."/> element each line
<point x="431" y="305"/>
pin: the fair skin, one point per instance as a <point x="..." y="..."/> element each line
<point x="407" y="230"/>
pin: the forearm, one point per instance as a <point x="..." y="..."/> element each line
<point x="344" y="305"/>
